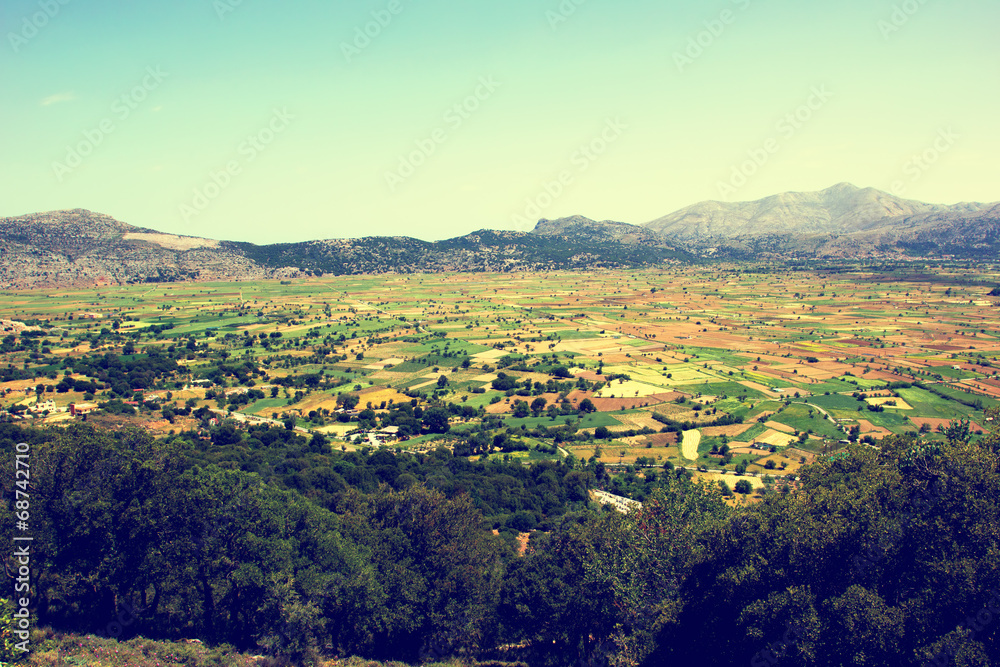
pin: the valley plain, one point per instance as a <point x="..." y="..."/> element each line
<point x="756" y="370"/>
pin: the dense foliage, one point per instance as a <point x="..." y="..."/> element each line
<point x="506" y="493"/>
<point x="882" y="557"/>
<point x="485" y="250"/>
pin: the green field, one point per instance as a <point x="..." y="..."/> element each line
<point x="926" y="404"/>
<point x="798" y="417"/>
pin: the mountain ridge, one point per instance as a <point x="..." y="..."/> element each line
<point x="842" y="208"/>
<point x="77" y="247"/>
<point x="842" y="221"/>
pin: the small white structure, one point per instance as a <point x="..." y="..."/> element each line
<point x="620" y="503"/>
<point x="82" y="408"/>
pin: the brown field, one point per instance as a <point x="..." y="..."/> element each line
<point x="782" y="428"/>
<point x="616" y="404"/>
<point x="934" y="423"/>
<point x="878" y="432"/>
<point x="731" y="431"/>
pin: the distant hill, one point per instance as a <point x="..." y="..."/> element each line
<point x="842" y="221"/>
<point x="80" y="248"/>
<point x="584" y="229"/>
<point x="482" y="251"/>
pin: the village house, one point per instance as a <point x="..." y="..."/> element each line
<point x="44" y="406"/>
<point x="379" y="438"/>
<point x="13" y="326"/>
<point x="618" y="502"/>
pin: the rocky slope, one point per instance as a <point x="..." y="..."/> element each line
<point x="79" y="247"/>
<point x="482" y="251"/>
<point x="582" y="229"/>
<point x="841" y="221"/>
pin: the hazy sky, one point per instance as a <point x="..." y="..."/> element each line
<point x="271" y="121"/>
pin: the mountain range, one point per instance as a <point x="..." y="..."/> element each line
<point x="843" y="221"/>
<point x="79" y="247"/>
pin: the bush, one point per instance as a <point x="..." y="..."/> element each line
<point x="59" y="649"/>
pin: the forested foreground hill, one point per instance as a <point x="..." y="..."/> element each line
<point x="55" y="649"/>
<point x="882" y="557"/>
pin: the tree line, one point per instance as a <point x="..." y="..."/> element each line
<point x="881" y="557"/>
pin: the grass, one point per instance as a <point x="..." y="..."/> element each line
<point x="797" y="416"/>
<point x="593" y="420"/>
<point x="477" y="400"/>
<point x="985" y="401"/>
<point x="59" y="650"/>
<point x="890" y="419"/>
<point x="273" y="404"/>
<point x="77" y="651"/>
<point x="864" y="384"/>
<point x="531" y="455"/>
<point x="715" y="354"/>
<point x="952" y="373"/>
<point x="721" y="389"/>
<point x="733" y="407"/>
<point x="926" y="404"/>
<point x="835" y="402"/>
<point x="750" y="434"/>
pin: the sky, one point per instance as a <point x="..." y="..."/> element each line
<point x="268" y="121"/>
